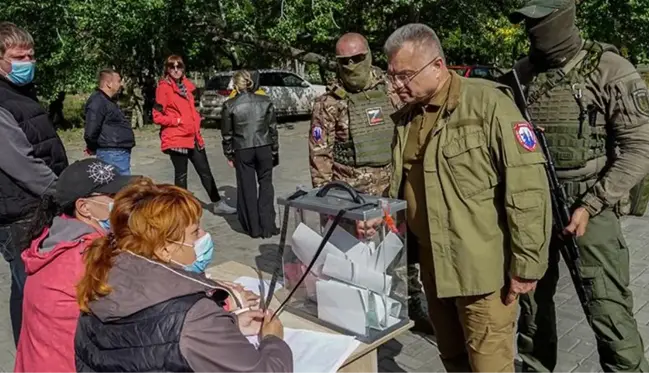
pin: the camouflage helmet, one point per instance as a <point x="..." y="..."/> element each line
<point x="536" y="9"/>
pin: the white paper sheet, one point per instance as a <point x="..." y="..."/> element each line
<point x="365" y="254"/>
<point x="386" y="252"/>
<point x="315" y="351"/>
<point x="305" y="245"/>
<point x="345" y="241"/>
<point x="342" y="305"/>
<point x="382" y="312"/>
<point x="347" y="271"/>
<point x="252" y="284"/>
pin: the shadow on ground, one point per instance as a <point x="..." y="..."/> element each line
<point x="229" y="195"/>
<point x="268" y="257"/>
<point x="387" y="353"/>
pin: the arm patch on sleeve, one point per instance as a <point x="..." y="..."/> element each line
<point x="641" y="100"/>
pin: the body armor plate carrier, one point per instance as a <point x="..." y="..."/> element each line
<point x="575" y="132"/>
<point x="370" y="129"/>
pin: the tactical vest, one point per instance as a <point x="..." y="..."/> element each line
<point x="370" y="129"/>
<point x="575" y="133"/>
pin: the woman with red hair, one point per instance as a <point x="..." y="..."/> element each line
<point x="180" y="132"/>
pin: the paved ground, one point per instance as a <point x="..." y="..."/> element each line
<point x="409" y="352"/>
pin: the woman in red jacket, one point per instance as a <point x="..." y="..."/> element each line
<point x="180" y="134"/>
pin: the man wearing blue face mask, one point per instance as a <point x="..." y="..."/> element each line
<point x="32" y="156"/>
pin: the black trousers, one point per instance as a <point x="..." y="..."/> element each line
<point x="255" y="208"/>
<point x="198" y="157"/>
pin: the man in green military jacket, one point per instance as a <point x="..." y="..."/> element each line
<point x="594" y="109"/>
<point x="472" y="173"/>
<point x="350" y="138"/>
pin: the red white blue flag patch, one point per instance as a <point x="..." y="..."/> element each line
<point x="525" y="136"/>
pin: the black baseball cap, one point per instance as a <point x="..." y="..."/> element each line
<point x="536" y="9"/>
<point x="87" y="177"/>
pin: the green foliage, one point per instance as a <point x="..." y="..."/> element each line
<point x="73" y="110"/>
<point x="76" y="38"/>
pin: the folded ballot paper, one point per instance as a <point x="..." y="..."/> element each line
<point x="354" y="291"/>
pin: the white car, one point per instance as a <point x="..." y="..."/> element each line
<point x="291" y="94"/>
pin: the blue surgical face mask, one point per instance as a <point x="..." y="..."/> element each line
<point x="105" y="223"/>
<point x="22" y="72"/>
<point x="204" y="249"/>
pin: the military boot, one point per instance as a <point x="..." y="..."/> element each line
<point x="418" y="312"/>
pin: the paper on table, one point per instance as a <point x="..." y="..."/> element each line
<point x="305" y="245"/>
<point x="350" y="272"/>
<point x="252" y="284"/>
<point x="315" y="351"/>
<point x="342" y="305"/>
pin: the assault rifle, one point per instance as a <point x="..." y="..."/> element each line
<point x="560" y="205"/>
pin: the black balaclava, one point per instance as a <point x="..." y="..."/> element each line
<point x="555" y="39"/>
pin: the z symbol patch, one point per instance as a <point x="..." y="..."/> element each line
<point x="317" y="134"/>
<point x="375" y="116"/>
<point x="525" y="136"/>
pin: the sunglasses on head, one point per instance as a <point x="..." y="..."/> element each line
<point x="175" y="66"/>
<point x="352" y="59"/>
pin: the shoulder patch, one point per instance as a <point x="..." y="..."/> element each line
<point x="316" y="133"/>
<point x="641" y="100"/>
<point x="525" y="136"/>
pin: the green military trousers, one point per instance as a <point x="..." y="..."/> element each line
<point x="605" y="268"/>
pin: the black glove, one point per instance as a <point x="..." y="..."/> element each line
<point x="275" y="159"/>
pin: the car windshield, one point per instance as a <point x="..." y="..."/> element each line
<point x="218" y="83"/>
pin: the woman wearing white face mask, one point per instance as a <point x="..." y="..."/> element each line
<point x="142" y="311"/>
<point x="65" y="226"/>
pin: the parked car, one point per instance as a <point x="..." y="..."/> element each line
<point x="478" y="71"/>
<point x="291" y="94"/>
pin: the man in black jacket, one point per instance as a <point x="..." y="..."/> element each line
<point x="32" y="157"/>
<point x="108" y="133"/>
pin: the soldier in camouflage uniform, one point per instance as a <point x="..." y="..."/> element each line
<point x="594" y="109"/>
<point x="350" y="140"/>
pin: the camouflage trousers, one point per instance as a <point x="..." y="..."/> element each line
<point x="604" y="265"/>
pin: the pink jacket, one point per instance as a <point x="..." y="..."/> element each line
<point x="54" y="266"/>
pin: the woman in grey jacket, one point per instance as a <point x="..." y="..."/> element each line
<point x="141" y="312"/>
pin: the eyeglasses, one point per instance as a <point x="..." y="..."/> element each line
<point x="402" y="80"/>
<point x="357" y="58"/>
<point x="175" y="66"/>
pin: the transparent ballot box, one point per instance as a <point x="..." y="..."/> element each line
<point x="357" y="282"/>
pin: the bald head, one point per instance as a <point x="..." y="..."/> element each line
<point x="351" y="44"/>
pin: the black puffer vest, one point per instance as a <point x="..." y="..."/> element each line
<point x="147" y="341"/>
<point x="17" y="203"/>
